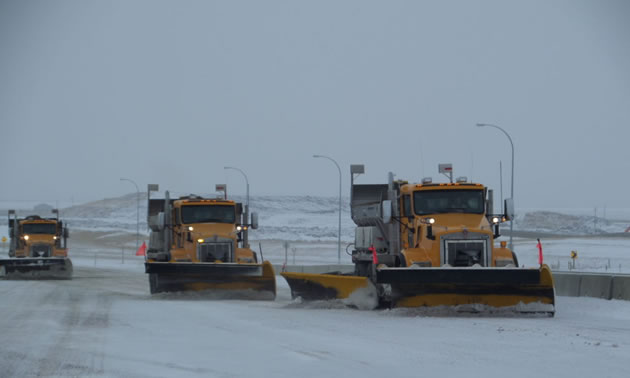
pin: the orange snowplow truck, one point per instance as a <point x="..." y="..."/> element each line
<point x="200" y="243"/>
<point x="38" y="248"/>
<point x="431" y="244"/>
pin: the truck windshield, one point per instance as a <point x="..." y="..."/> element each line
<point x="39" y="228"/>
<point x="448" y="201"/>
<point x="208" y="214"/>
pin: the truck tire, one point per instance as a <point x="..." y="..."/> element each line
<point x="153" y="283"/>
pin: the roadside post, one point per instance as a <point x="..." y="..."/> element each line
<point x="286" y="252"/>
<point x="574" y="256"/>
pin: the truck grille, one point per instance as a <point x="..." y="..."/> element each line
<point x="210" y="252"/>
<point x="41" y="250"/>
<point x="465" y="252"/>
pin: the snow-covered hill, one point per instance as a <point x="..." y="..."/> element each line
<point x="566" y="224"/>
<point x="313" y="218"/>
<point x="306" y="218"/>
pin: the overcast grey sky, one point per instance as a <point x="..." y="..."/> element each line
<point x="170" y="92"/>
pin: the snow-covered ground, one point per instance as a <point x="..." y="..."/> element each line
<point x="105" y="323"/>
<point x="573" y="221"/>
<point x="594" y="254"/>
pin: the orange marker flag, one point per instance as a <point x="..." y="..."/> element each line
<point x="374" y="256"/>
<point x="142" y="251"/>
<point x="540" y="253"/>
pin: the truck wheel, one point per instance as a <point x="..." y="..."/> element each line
<point x="153" y="283"/>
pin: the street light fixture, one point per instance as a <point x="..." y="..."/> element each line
<point x="339" y="231"/>
<point x="137" y="211"/>
<point x="245" y="235"/>
<point x="512" y="180"/>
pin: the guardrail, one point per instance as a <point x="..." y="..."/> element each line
<point x="596" y="285"/>
<point x="568" y="284"/>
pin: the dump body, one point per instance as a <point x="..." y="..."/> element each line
<point x="38" y="249"/>
<point x="198" y="244"/>
<point x="428" y="245"/>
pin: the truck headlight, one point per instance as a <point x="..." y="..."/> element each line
<point x="190" y="228"/>
<point x="496" y="220"/>
<point x="200" y="240"/>
<point x="26" y="237"/>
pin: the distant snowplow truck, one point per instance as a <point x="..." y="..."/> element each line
<point x="38" y="248"/>
<point x="430" y="244"/>
<point x="200" y="244"/>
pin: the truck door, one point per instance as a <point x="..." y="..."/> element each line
<point x="406" y="234"/>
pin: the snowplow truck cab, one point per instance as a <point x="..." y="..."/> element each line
<point x="199" y="243"/>
<point x="445" y="224"/>
<point x="431" y="244"/>
<point x="38" y="248"/>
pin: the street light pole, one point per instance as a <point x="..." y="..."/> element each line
<point x="512" y="180"/>
<point x="137" y="212"/>
<point x="339" y="231"/>
<point x="245" y="234"/>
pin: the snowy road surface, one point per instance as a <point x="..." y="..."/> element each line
<point x="105" y="323"/>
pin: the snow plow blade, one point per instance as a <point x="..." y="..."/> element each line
<point x="355" y="291"/>
<point x="223" y="280"/>
<point x="48" y="268"/>
<point x="526" y="290"/>
<point x="311" y="287"/>
<point x="521" y="290"/>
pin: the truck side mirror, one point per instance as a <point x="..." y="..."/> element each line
<point x="66" y="233"/>
<point x="254" y="224"/>
<point x="386" y="211"/>
<point x="509" y="209"/>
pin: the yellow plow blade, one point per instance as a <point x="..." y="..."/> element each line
<point x="353" y="290"/>
<point x="527" y="290"/>
<point x="518" y="290"/>
<point x="224" y="280"/>
<point x="44" y="268"/>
